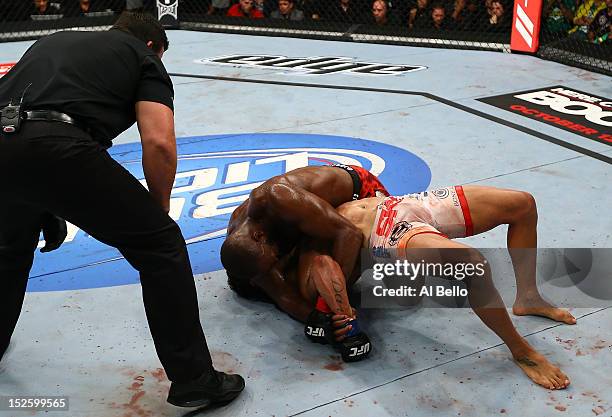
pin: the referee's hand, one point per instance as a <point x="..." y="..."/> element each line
<point x="54" y="231"/>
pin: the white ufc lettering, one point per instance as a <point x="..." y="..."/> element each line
<point x="316" y="331"/>
<point x="362" y="350"/>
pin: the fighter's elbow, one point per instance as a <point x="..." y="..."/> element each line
<point x="351" y="236"/>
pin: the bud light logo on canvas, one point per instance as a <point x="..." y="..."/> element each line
<point x="215" y="174"/>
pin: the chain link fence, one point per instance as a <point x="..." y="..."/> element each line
<point x="469" y="24"/>
<point x="578" y="33"/>
<point x="570" y="32"/>
<point x="31" y="19"/>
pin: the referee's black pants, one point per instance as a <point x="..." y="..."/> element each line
<point x="55" y="167"/>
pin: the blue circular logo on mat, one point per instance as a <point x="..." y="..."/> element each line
<point x="215" y="174"/>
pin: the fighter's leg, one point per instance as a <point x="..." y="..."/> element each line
<point x="488" y="305"/>
<point x="489" y="207"/>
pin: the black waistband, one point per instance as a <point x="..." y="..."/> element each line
<point x="354" y="177"/>
<point x="52" y="116"/>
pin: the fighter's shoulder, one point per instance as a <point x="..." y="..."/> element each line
<point x="274" y="188"/>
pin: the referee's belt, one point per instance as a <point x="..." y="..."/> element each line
<point x="52" y="116"/>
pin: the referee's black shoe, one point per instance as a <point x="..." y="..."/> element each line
<point x="209" y="389"/>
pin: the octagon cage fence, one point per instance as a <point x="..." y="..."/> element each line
<point x="573" y="32"/>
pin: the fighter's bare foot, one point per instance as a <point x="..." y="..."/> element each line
<point x="540" y="307"/>
<point x="541" y="371"/>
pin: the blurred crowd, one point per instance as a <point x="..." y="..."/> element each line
<point x="472" y="15"/>
<point x="49" y="9"/>
<point x="468" y="15"/>
<point x="584" y="20"/>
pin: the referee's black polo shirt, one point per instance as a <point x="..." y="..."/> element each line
<point x="95" y="77"/>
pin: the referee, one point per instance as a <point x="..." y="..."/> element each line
<point x="61" y="105"/>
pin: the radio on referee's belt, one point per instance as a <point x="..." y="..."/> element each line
<point x="15" y="116"/>
<point x="10" y="118"/>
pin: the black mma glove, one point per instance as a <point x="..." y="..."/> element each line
<point x="318" y="327"/>
<point x="356" y="345"/>
<point x="54" y="231"/>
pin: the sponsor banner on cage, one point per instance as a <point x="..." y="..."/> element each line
<point x="316" y="65"/>
<point x="526" y="25"/>
<point x="216" y="174"/>
<point x="394" y="277"/>
<point x="5" y="67"/>
<point x="569" y="109"/>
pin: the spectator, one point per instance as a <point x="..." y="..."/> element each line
<point x="467" y="14"/>
<point x="559" y="15"/>
<point x="218" y="7"/>
<point x="85" y="6"/>
<point x="498" y="21"/>
<point x="345" y="11"/>
<point x="397" y="11"/>
<point x="584" y="16"/>
<point x="286" y="10"/>
<point x="310" y="8"/>
<point x="418" y="16"/>
<point x="43" y="7"/>
<point x="82" y="7"/>
<point x="438" y="17"/>
<point x="245" y="9"/>
<point x="380" y="13"/>
<point x="601" y="26"/>
<point x="260" y="6"/>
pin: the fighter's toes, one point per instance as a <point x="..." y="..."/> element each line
<point x="563" y="379"/>
<point x="541" y="371"/>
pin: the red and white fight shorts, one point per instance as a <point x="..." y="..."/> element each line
<point x="365" y="184"/>
<point x="443" y="211"/>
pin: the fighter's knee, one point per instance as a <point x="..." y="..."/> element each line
<point x="523" y="205"/>
<point x="528" y="201"/>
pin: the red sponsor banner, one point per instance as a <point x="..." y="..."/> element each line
<point x="5" y="67"/>
<point x="526" y="25"/>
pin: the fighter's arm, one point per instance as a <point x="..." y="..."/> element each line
<point x="320" y="275"/>
<point x="287" y="298"/>
<point x="316" y="218"/>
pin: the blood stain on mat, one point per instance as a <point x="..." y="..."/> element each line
<point x="159" y="375"/>
<point x="568" y="344"/>
<point x="334" y="366"/>
<point x="599" y="410"/>
<point x="589" y="394"/>
<point x="598" y="346"/>
<point x="349" y="403"/>
<point x="225" y="361"/>
<point x="560" y="408"/>
<point x="128" y="371"/>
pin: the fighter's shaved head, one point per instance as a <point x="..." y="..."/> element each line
<point x="240" y="257"/>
